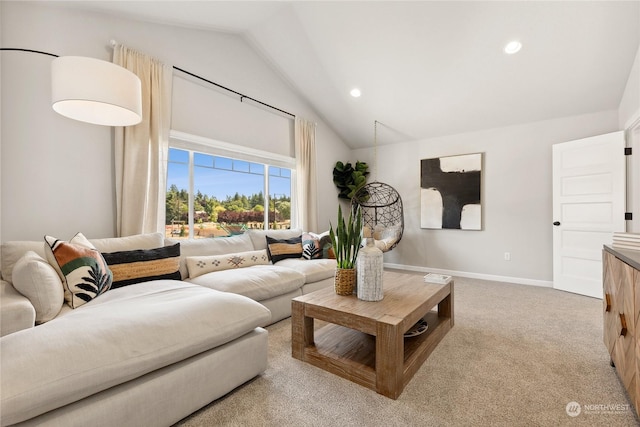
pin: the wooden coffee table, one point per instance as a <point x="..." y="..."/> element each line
<point x="364" y="341"/>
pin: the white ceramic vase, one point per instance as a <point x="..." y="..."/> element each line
<point x="369" y="267"/>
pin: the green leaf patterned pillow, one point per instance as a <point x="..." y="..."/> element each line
<point x="82" y="269"/>
<point x="311" y="248"/>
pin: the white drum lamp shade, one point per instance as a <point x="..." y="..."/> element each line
<point x="95" y="91"/>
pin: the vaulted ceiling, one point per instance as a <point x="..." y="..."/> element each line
<point x="427" y="68"/>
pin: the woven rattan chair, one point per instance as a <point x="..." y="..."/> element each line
<point x="382" y="214"/>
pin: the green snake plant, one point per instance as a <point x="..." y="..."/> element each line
<point x="347" y="237"/>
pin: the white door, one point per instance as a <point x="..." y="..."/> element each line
<point x="588" y="206"/>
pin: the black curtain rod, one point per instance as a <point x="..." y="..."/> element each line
<point x="242" y="96"/>
<point x="29" y="50"/>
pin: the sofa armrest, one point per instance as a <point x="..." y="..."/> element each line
<point x="16" y="312"/>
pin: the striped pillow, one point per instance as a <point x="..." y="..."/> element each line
<point x="280" y="249"/>
<point x="143" y="265"/>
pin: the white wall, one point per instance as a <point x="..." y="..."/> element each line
<point x="57" y="174"/>
<point x="516" y="197"/>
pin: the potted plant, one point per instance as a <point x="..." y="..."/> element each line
<point x="349" y="179"/>
<point x="346" y="240"/>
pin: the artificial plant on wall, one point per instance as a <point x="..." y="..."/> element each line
<point x="349" y="179"/>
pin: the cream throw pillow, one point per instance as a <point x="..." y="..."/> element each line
<point x="37" y="280"/>
<point x="199" y="265"/>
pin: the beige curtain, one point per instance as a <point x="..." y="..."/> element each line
<point x="307" y="207"/>
<point x="141" y="151"/>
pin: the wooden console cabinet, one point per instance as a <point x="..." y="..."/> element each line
<point x="621" y="316"/>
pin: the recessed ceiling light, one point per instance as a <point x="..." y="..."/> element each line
<point x="355" y="92"/>
<point x="513" y="47"/>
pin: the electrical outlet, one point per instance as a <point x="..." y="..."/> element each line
<point x="507" y="256"/>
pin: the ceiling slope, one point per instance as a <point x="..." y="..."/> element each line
<point x="427" y="68"/>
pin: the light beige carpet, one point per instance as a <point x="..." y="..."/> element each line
<point x="517" y="356"/>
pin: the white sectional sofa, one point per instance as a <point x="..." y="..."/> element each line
<point x="271" y="284"/>
<point x="149" y="353"/>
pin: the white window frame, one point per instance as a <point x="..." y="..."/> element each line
<point x="191" y="143"/>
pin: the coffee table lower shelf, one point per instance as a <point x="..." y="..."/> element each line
<point x="351" y="354"/>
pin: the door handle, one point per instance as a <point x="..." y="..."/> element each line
<point x="623" y="324"/>
<point x="556" y="223"/>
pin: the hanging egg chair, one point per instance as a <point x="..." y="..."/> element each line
<point x="382" y="214"/>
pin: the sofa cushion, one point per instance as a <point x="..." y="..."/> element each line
<point x="259" y="282"/>
<point x="137" y="241"/>
<point x="313" y="270"/>
<point x="280" y="249"/>
<point x="258" y="237"/>
<point x="17" y="311"/>
<point x="210" y="246"/>
<point x="199" y="265"/>
<point x="143" y="265"/>
<point x="126" y="333"/>
<point x="385" y="237"/>
<point x="82" y="269"/>
<point x="37" y="280"/>
<point x="12" y="251"/>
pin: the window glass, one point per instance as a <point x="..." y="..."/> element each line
<point x="256" y="168"/>
<point x="228" y="196"/>
<point x="177" y="198"/>
<point x="280" y="198"/>
<point x="223" y="163"/>
<point x="180" y="156"/>
<point x="240" y="166"/>
<point x="200" y="159"/>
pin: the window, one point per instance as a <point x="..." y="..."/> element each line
<point x="210" y="195"/>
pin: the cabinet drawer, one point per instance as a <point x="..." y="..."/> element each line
<point x="620" y="320"/>
<point x="615" y="302"/>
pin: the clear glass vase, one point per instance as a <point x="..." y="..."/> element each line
<point x="369" y="272"/>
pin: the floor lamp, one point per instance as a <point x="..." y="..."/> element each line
<point x="94" y="91"/>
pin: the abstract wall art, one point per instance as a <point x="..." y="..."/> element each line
<point x="450" y="192"/>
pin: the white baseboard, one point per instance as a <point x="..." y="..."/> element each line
<point x="507" y="279"/>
